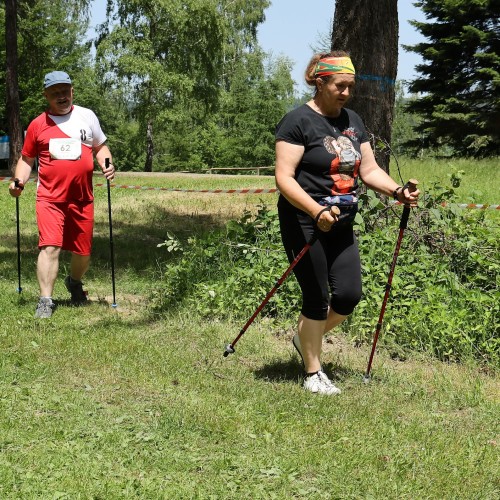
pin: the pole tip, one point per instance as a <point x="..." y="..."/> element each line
<point x="366" y="379"/>
<point x="228" y="350"/>
<point x="114" y="306"/>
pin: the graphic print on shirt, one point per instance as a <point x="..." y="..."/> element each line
<point x="344" y="167"/>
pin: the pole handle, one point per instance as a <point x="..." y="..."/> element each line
<point x="411" y="185"/>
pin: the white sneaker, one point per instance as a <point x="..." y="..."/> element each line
<point x="319" y="383"/>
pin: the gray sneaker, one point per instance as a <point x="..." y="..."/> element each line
<point x="44" y="308"/>
<point x="75" y="288"/>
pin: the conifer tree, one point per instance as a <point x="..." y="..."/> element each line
<point x="459" y="82"/>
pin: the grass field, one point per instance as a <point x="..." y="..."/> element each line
<point x="108" y="403"/>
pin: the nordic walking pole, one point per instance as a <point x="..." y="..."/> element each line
<point x="19" y="287"/>
<point x="411" y="186"/>
<point x="230" y="347"/>
<point x="106" y="163"/>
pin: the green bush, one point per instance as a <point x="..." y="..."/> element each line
<point x="445" y="290"/>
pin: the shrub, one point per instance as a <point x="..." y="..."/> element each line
<point x="444" y="297"/>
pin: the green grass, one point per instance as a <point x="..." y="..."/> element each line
<point x="480" y="181"/>
<point x="119" y="403"/>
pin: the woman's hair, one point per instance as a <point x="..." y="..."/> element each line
<point x="310" y="76"/>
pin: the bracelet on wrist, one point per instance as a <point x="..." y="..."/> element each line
<point x="396" y="192"/>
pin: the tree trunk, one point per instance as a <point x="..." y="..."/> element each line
<point x="368" y="30"/>
<point x="148" y="165"/>
<point x="11" y="84"/>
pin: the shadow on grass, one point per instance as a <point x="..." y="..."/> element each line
<point x="292" y="370"/>
<point x="134" y="243"/>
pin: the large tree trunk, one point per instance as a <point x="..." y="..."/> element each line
<point x="11" y="83"/>
<point x="368" y="30"/>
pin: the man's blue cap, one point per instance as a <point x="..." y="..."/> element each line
<point x="56" y="77"/>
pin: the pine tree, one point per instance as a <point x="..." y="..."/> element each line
<point x="459" y="82"/>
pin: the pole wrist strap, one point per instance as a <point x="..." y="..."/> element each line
<point x="316" y="219"/>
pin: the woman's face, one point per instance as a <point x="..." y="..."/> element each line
<point x="337" y="90"/>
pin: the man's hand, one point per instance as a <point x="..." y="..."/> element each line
<point x="16" y="188"/>
<point x="109" y="171"/>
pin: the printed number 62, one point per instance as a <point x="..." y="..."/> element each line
<point x="65" y="147"/>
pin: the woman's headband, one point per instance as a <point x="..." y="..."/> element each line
<point x="334" y="65"/>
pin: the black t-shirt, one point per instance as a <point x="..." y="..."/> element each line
<point x="332" y="155"/>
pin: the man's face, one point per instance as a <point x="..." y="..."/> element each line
<point x="60" y="98"/>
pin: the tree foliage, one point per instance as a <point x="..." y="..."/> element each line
<point x="11" y="82"/>
<point x="52" y="36"/>
<point x="184" y="85"/>
<point x="194" y="78"/>
<point x="459" y="82"/>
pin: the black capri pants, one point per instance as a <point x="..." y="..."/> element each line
<point x="329" y="274"/>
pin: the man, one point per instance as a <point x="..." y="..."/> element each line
<point x="64" y="139"/>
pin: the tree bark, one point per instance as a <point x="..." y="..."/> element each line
<point x="12" y="84"/>
<point x="368" y="30"/>
<point x="148" y="166"/>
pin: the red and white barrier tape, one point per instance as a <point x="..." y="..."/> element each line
<point x="179" y="190"/>
<point x="481" y="206"/>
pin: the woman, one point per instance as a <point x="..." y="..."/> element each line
<point x="321" y="149"/>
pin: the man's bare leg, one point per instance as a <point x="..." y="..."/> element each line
<point x="79" y="266"/>
<point x="47" y="269"/>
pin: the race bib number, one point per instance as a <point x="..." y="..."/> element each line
<point x="65" y="149"/>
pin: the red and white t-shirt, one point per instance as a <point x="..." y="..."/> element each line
<point x="64" y="147"/>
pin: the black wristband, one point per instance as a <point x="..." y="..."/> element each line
<point x="396" y="191"/>
<point x="18" y="183"/>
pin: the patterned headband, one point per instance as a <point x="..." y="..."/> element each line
<point x="333" y="65"/>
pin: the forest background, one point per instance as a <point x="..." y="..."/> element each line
<point x="185" y="86"/>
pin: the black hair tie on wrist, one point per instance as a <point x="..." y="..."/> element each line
<point x="316" y="219"/>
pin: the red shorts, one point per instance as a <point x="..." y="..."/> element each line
<point x="68" y="225"/>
